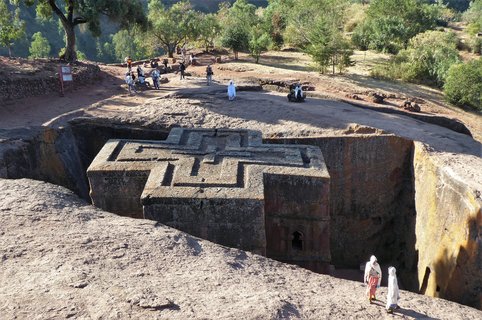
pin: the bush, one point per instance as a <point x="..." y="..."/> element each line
<point x="426" y="60"/>
<point x="463" y="85"/>
<point x="391" y="23"/>
<point x="475" y="45"/>
<point x="39" y="48"/>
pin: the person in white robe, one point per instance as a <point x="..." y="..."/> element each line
<point x="231" y="90"/>
<point x="393" y="293"/>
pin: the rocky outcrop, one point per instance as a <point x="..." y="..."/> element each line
<point x="62" y="258"/>
<point x="448" y="231"/>
<point x="45" y="154"/>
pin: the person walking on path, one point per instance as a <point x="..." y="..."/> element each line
<point x="231" y="90"/>
<point x="209" y="74"/>
<point x="393" y="293"/>
<point x="372" y="278"/>
<point x="182" y="69"/>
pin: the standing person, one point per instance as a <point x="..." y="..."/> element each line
<point x="393" y="293"/>
<point x="209" y="74"/>
<point x="155" y="78"/>
<point x="231" y="90"/>
<point x="128" y="62"/>
<point x="130" y="83"/>
<point x="182" y="69"/>
<point x="164" y="62"/>
<point x="372" y="278"/>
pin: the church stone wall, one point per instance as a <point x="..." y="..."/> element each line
<point x="224" y="186"/>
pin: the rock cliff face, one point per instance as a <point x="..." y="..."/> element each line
<point x="45" y="154"/>
<point x="448" y="232"/>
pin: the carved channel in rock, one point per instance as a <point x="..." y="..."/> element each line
<point x="387" y="197"/>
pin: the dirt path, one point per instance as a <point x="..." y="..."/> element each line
<point x="110" y="93"/>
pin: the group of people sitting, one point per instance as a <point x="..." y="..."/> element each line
<point x="133" y="82"/>
<point x="296" y="93"/>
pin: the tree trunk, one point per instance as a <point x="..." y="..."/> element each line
<point x="170" y="51"/>
<point x="235" y="55"/>
<point x="70" y="54"/>
<point x="9" y="51"/>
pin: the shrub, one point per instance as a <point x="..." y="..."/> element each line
<point x="426" y="60"/>
<point x="463" y="85"/>
<point x="39" y="48"/>
<point x="389" y="24"/>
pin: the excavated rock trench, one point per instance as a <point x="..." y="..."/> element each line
<point x="375" y="207"/>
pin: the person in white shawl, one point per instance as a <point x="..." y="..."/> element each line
<point x="372" y="278"/>
<point x="393" y="293"/>
<point x="231" y="91"/>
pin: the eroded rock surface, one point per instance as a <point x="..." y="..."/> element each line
<point x="63" y="258"/>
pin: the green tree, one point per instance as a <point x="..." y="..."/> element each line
<point x="40" y="47"/>
<point x="238" y="21"/>
<point x="131" y="43"/>
<point x="258" y="43"/>
<point x="473" y="16"/>
<point x="236" y="38"/>
<point x="463" y="85"/>
<point x="328" y="47"/>
<point x="391" y="23"/>
<point x="75" y="12"/>
<point x="427" y="59"/>
<point x="209" y="29"/>
<point x="276" y="19"/>
<point x="172" y="26"/>
<point x="12" y="27"/>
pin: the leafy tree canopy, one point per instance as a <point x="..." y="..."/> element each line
<point x="40" y="47"/>
<point x="473" y="16"/>
<point x="391" y="23"/>
<point x="12" y="27"/>
<point x="238" y="21"/>
<point x="172" y="26"/>
<point x="74" y="12"/>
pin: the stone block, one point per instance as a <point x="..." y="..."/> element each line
<point x="225" y="186"/>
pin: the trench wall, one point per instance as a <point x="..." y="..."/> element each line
<point x="388" y="197"/>
<point x="449" y="233"/>
<point x="371" y="206"/>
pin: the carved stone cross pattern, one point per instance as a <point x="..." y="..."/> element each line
<point x="222" y="185"/>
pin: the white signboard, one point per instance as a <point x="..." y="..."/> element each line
<point x="66" y="73"/>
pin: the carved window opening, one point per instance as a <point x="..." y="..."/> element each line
<point x="297" y="242"/>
